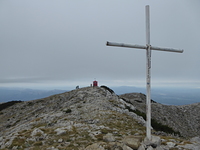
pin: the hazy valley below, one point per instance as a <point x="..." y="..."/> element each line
<point x="168" y="96"/>
<point x="25" y="94"/>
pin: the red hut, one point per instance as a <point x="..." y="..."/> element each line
<point x="95" y="83"/>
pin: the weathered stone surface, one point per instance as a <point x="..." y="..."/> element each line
<point x="109" y="138"/>
<point x="190" y="146"/>
<point x="52" y="148"/>
<point x="149" y="148"/>
<point x="133" y="141"/>
<point x="37" y="131"/>
<point x="171" y="144"/>
<point x="96" y="146"/>
<point x="194" y="139"/>
<point x="60" y="131"/>
<point x="142" y="147"/>
<point x="125" y="147"/>
<point x="60" y="140"/>
<point x="154" y="142"/>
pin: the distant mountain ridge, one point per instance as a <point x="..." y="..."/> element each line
<point x="168" y="96"/>
<point x="12" y="94"/>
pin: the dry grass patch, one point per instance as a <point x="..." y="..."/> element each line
<point x="123" y="123"/>
<point x="18" y="142"/>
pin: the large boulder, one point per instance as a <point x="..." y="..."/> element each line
<point x="154" y="142"/>
<point x="109" y="138"/>
<point x="133" y="141"/>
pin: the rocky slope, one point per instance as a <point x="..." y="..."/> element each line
<point x="91" y="118"/>
<point x="182" y="119"/>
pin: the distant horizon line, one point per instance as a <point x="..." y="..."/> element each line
<point x="111" y="86"/>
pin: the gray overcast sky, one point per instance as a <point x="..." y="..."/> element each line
<point x="62" y="42"/>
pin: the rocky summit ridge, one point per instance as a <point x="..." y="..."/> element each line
<point x="95" y="118"/>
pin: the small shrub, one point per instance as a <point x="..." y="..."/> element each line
<point x="30" y="103"/>
<point x="38" y="134"/>
<point x="8" y="104"/>
<point x="18" y="141"/>
<point x="39" y="143"/>
<point x="79" y="106"/>
<point x="156" y="125"/>
<point x="105" y="131"/>
<point x="40" y="124"/>
<point x="108" y="89"/>
<point x="99" y="137"/>
<point x="68" y="111"/>
<point x="174" y="148"/>
<point x="37" y="119"/>
<point x="8" y="126"/>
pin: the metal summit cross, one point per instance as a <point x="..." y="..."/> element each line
<point x="148" y="48"/>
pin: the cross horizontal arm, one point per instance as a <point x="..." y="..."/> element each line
<point x="144" y="47"/>
<point x="167" y="49"/>
<point x="125" y="45"/>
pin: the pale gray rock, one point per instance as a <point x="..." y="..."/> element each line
<point x="125" y="147"/>
<point x="60" y="131"/>
<point x="109" y="138"/>
<point x="142" y="147"/>
<point x="133" y="141"/>
<point x="171" y="144"/>
<point x="15" y="147"/>
<point x="67" y="144"/>
<point x="52" y="148"/>
<point x="149" y="148"/>
<point x="96" y="146"/>
<point x="154" y="142"/>
<point x="194" y="139"/>
<point x="190" y="146"/>
<point x="60" y="140"/>
<point x="37" y="131"/>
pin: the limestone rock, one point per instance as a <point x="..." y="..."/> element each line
<point x="154" y="142"/>
<point x="195" y="139"/>
<point x="133" y="141"/>
<point x="37" y="131"/>
<point x="60" y="131"/>
<point x="60" y="140"/>
<point x="150" y="148"/>
<point x="96" y="146"/>
<point x="190" y="146"/>
<point x="170" y="144"/>
<point x="109" y="138"/>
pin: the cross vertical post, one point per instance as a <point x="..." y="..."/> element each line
<point x="148" y="74"/>
<point x="148" y="48"/>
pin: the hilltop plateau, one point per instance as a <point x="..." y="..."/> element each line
<point x="95" y="118"/>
